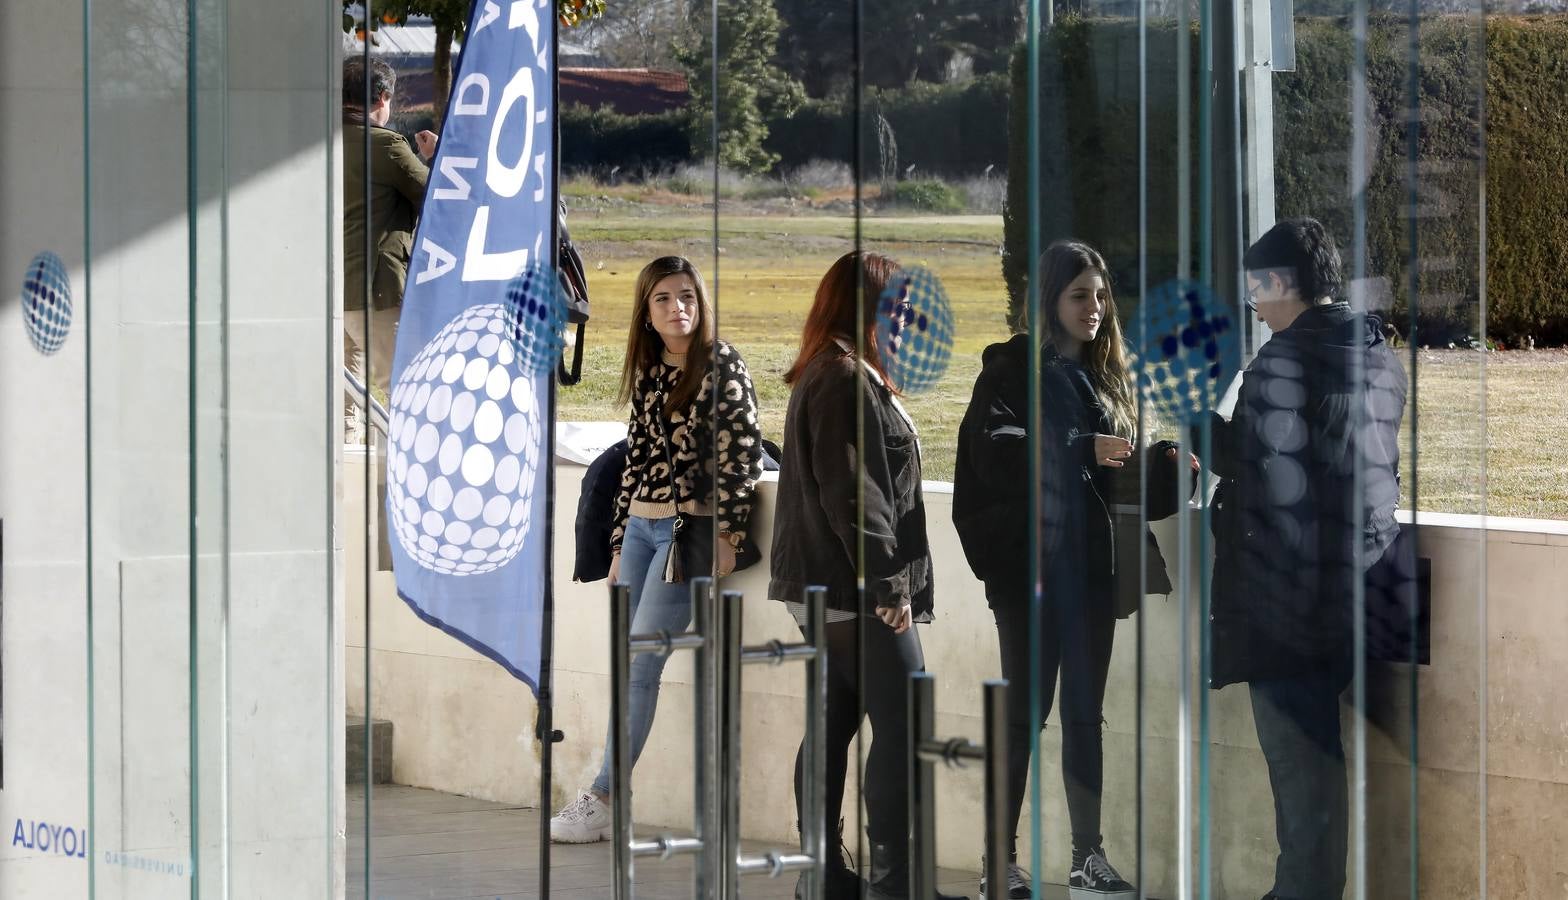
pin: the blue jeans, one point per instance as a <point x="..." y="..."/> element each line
<point x="655" y="606"/>
<point x="1298" y="728"/>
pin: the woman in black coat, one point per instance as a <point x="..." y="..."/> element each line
<point x="849" y="512"/>
<point x="1088" y="418"/>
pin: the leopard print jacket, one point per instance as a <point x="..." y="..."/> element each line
<point x="716" y="469"/>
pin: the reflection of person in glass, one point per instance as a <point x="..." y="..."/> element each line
<point x="381" y="169"/>
<point x="1088" y="414"/>
<point x="1309" y="480"/>
<point x="850" y="508"/>
<point x="686" y="473"/>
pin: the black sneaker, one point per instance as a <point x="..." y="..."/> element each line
<point x="1018" y="884"/>
<point x="1094" y="878"/>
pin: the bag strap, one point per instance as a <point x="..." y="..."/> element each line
<point x="669" y="458"/>
<point x="570" y="375"/>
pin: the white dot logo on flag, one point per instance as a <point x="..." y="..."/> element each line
<point x="465" y="438"/>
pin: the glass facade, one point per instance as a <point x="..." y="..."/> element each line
<point x="1092" y="449"/>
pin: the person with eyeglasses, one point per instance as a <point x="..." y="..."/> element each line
<point x="1309" y="469"/>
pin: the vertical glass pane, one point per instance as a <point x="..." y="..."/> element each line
<point x="1100" y="240"/>
<point x="269" y="653"/>
<point x="44" y="254"/>
<point x="143" y="814"/>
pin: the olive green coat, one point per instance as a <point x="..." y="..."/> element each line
<point x="397" y="192"/>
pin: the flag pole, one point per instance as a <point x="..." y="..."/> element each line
<point x="546" y="734"/>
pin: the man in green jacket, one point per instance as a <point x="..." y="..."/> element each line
<point x="383" y="191"/>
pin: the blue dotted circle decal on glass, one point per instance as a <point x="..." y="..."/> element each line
<point x="46" y="302"/>
<point x="1189" y="352"/>
<point x="538" y="303"/>
<point x="914" y="331"/>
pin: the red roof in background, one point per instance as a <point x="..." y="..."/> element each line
<point x="627" y="91"/>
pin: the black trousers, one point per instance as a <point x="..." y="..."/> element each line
<point x="1298" y="729"/>
<point x="1076" y="632"/>
<point x="884" y="697"/>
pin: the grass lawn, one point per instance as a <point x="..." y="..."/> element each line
<point x="766" y="264"/>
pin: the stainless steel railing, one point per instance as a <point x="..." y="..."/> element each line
<point x="720" y="656"/>
<point x="811" y="856"/>
<point x="704" y="841"/>
<point x="925" y="750"/>
<point x="361" y="397"/>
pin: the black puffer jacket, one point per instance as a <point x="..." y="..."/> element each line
<point x="1089" y="514"/>
<point x="818" y="524"/>
<point x="1293" y="530"/>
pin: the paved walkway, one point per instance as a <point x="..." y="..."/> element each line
<point x="427" y="845"/>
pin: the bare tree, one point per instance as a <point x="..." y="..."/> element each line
<point x="642" y="33"/>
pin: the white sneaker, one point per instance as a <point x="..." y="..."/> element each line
<point x="583" y="821"/>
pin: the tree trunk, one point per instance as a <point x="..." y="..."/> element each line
<point x="441" y="73"/>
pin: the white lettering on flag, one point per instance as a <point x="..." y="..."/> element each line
<point x="504" y="179"/>
<point x="523" y="14"/>
<point x="463" y="107"/>
<point x="438" y="262"/>
<point x="459" y="188"/>
<point x="480" y="265"/>
<point x="491" y="13"/>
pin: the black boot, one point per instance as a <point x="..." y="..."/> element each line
<point x="890" y="873"/>
<point x="840" y="881"/>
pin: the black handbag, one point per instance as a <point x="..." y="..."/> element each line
<point x="574" y="279"/>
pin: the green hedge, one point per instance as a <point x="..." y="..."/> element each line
<point x="596" y="140"/>
<point x="942" y="129"/>
<point x="1087" y="145"/>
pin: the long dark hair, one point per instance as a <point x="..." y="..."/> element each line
<point x="833" y="310"/>
<point x="644" y="346"/>
<point x="1105" y="357"/>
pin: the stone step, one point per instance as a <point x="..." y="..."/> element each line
<point x="381" y="751"/>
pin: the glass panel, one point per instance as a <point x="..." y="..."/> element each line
<point x="1101" y="239"/>
<point x="144" y="590"/>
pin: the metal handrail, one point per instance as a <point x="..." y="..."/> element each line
<point x="361" y="397"/>
<point x="925" y="750"/>
<point x="811" y="857"/>
<point x="704" y="841"/>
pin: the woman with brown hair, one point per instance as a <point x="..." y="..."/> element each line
<point x="850" y="512"/>
<point x="694" y="453"/>
<point x="1088" y="426"/>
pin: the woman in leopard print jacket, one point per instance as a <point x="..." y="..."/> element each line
<point x="694" y="454"/>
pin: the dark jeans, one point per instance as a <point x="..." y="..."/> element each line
<point x="1298" y="728"/>
<point x="884" y="697"/>
<point x="1077" y="629"/>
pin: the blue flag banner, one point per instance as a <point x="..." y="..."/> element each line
<point x="466" y="463"/>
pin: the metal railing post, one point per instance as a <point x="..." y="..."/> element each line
<point x="996" y="836"/>
<point x="709" y="821"/>
<point x="811" y="857"/>
<point x="731" y="621"/>
<point x="813" y="826"/>
<point x="922" y="786"/>
<point x="925" y="750"/>
<point x="620" y="751"/>
<point x="704" y="841"/>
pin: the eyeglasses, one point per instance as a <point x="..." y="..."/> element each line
<point x="1252" y="297"/>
